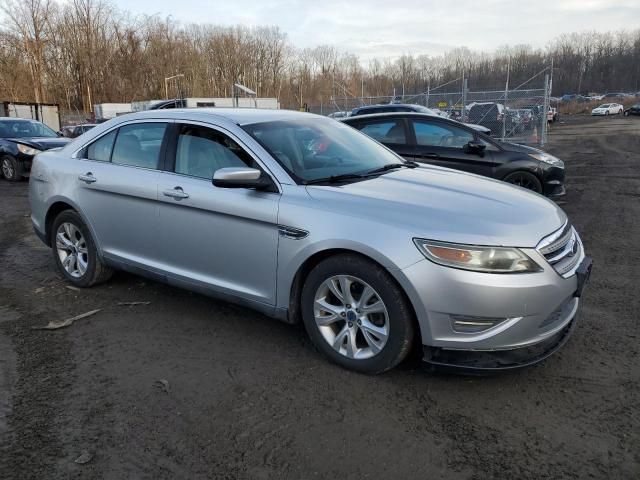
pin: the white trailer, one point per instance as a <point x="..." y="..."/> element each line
<point x="47" y="113"/>
<point x="107" y="111"/>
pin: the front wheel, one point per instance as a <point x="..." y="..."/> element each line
<point x="525" y="180"/>
<point x="356" y="314"/>
<point x="75" y="253"/>
<point x="606" y="113"/>
<point x="10" y="168"/>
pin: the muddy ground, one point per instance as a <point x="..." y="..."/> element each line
<point x="246" y="397"/>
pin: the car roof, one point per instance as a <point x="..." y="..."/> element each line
<point x="386" y="105"/>
<point x="383" y="115"/>
<point x="239" y="116"/>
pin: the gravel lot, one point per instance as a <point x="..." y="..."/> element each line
<point x="246" y="397"/>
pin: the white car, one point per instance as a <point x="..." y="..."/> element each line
<point x="608" y="109"/>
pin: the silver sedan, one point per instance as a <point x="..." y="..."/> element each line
<point x="306" y="219"/>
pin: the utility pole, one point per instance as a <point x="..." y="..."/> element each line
<point x="166" y="84"/>
<point x="506" y="92"/>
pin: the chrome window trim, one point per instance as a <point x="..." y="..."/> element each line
<point x="75" y="153"/>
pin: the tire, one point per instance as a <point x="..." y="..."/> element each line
<point x="626" y="114"/>
<point x="87" y="269"/>
<point x="525" y="180"/>
<point x="389" y="313"/>
<point x="10" y="168"/>
<point x="606" y="114"/>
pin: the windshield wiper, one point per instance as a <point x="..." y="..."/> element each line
<point x="335" y="178"/>
<point x="358" y="176"/>
<point x="392" y="166"/>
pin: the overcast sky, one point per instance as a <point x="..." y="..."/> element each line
<point x="384" y="28"/>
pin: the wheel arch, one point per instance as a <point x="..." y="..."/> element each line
<point x="295" y="291"/>
<point x="56" y="207"/>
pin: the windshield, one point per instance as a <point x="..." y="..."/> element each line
<point x="24" y="128"/>
<point x="313" y="149"/>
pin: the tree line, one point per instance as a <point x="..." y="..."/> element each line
<point x="81" y="52"/>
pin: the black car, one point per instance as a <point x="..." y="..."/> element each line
<point x="494" y="116"/>
<point x="447" y="143"/>
<point x="73" y="131"/>
<point x="20" y="141"/>
<point x="633" y="110"/>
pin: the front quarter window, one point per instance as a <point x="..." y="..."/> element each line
<point x="312" y="149"/>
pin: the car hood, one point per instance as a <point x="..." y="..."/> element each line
<point x="447" y="205"/>
<point x="516" y="147"/>
<point x="41" y="143"/>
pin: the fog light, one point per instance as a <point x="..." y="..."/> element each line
<point x="466" y="324"/>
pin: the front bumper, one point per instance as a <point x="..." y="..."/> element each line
<point x="533" y="313"/>
<point x="553" y="181"/>
<point x="487" y="361"/>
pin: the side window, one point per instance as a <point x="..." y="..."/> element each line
<point x="389" y="131"/>
<point x="201" y="151"/>
<point x="101" y="148"/>
<point x="440" y="135"/>
<point x="139" y="145"/>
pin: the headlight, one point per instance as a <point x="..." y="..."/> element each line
<point x="28" y="150"/>
<point x="479" y="259"/>
<point x="546" y="158"/>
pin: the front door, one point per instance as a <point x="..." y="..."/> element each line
<point x="224" y="239"/>
<point x="441" y="143"/>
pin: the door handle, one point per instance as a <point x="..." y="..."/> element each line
<point x="87" y="178"/>
<point x="176" y="193"/>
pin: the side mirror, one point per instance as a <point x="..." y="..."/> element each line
<point x="475" y="147"/>
<point x="240" y="177"/>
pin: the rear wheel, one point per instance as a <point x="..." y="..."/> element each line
<point x="606" y="113"/>
<point x="10" y="168"/>
<point x="75" y="253"/>
<point x="525" y="180"/>
<point x="356" y="315"/>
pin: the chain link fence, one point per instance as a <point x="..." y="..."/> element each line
<point x="520" y="115"/>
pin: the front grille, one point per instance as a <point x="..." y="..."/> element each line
<point x="562" y="249"/>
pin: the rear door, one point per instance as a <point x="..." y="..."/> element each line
<point x="223" y="239"/>
<point x="116" y="179"/>
<point x="442" y="143"/>
<point x="391" y="132"/>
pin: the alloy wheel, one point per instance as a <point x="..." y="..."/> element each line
<point x="7" y="168"/>
<point x="72" y="249"/>
<point x="524" y="181"/>
<point x="351" y="317"/>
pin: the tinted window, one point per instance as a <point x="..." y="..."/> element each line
<point x="201" y="151"/>
<point x="101" y="148"/>
<point x="441" y="135"/>
<point x="139" y="145"/>
<point x="390" y="131"/>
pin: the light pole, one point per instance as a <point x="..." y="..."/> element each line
<point x="166" y="84"/>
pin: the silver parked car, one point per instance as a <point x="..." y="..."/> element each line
<point x="304" y="218"/>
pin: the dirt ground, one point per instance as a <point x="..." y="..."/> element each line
<point x="246" y="397"/>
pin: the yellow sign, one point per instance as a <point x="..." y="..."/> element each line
<point x="442" y="104"/>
